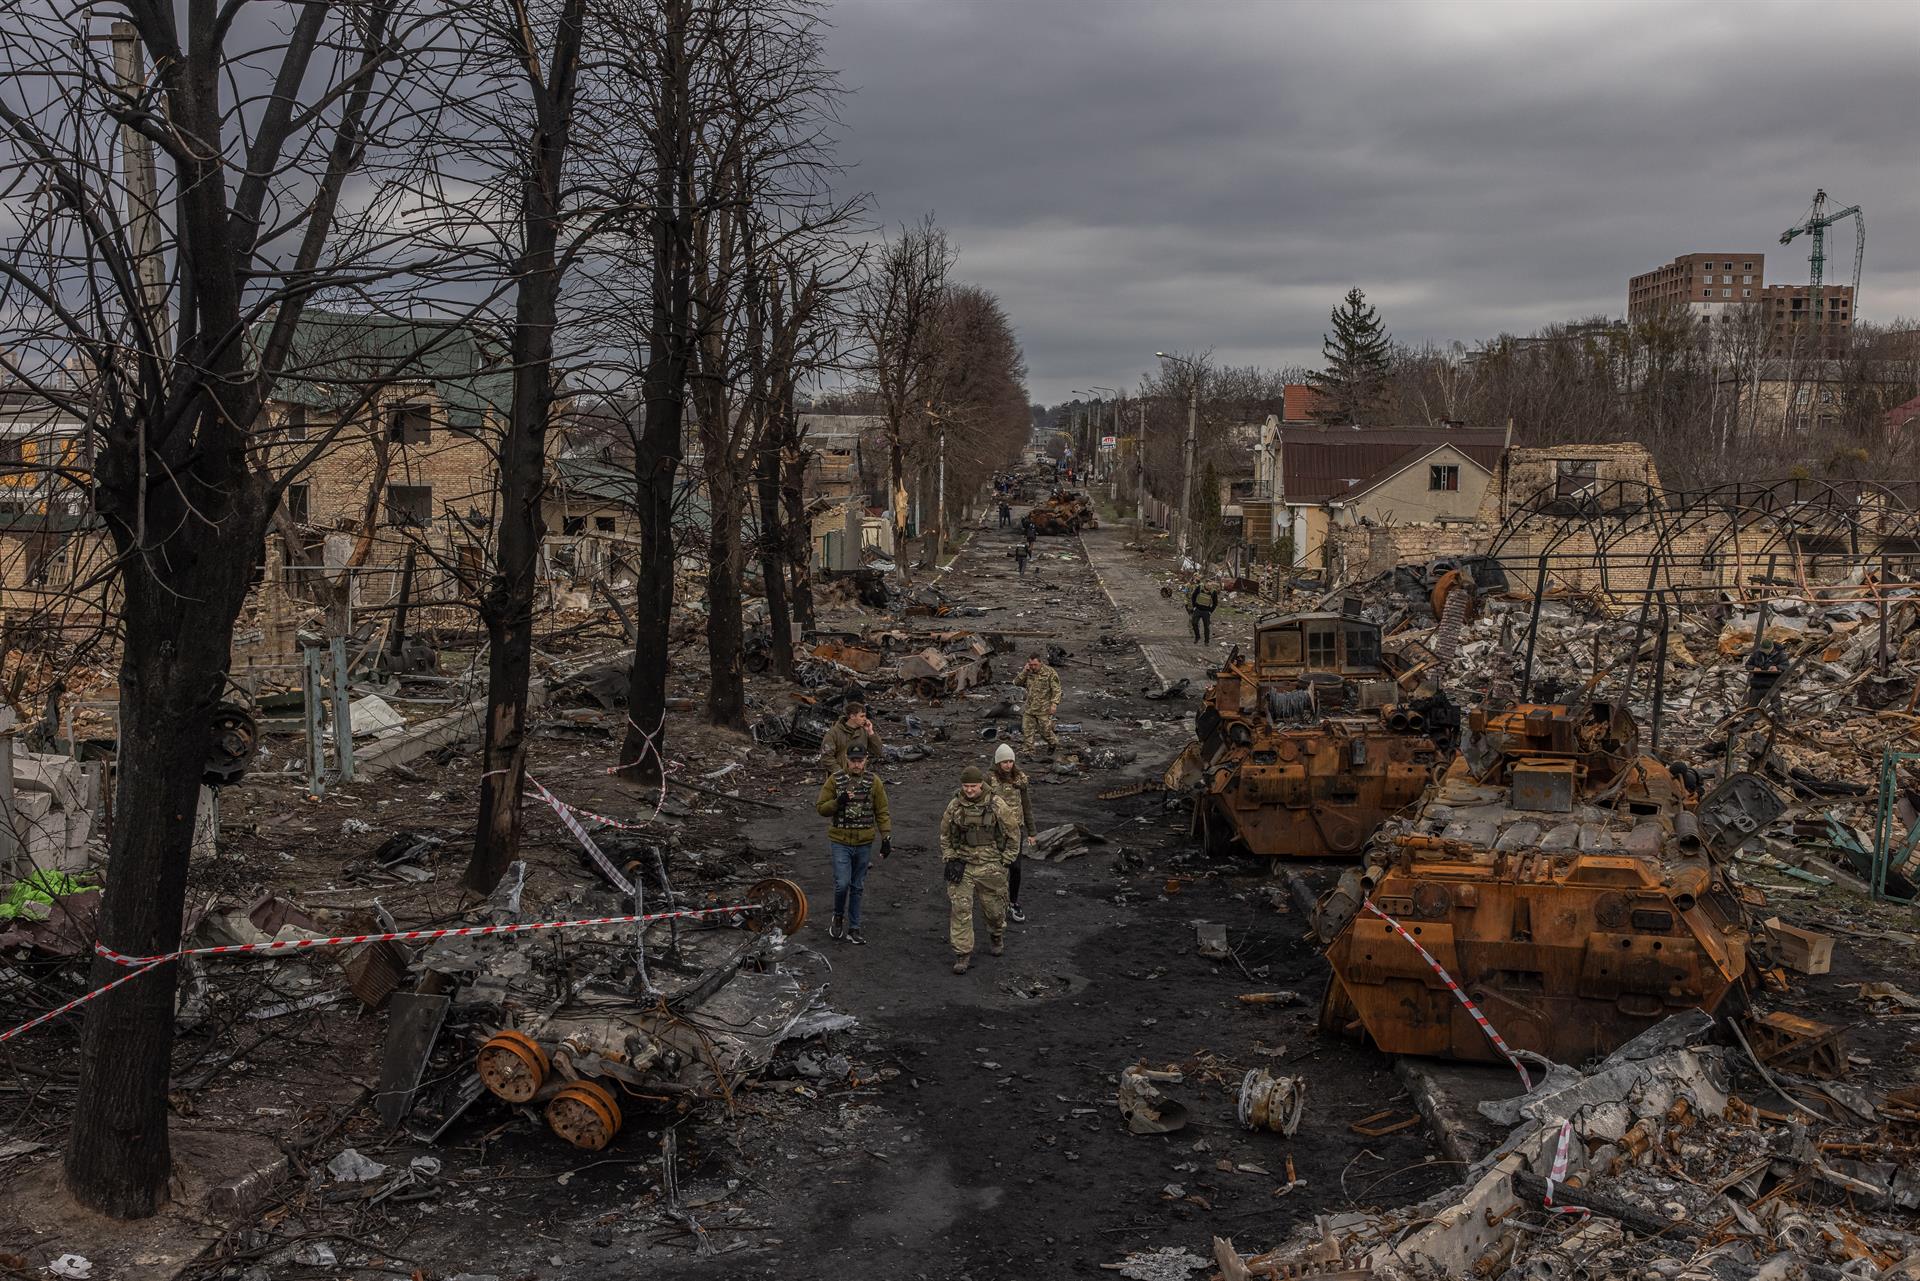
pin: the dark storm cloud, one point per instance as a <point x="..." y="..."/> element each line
<point x="1130" y="176"/>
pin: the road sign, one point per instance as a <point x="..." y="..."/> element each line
<point x="1107" y="442"/>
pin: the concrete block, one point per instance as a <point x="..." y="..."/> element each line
<point x="79" y="828"/>
<point x="32" y="807"/>
<point x="61" y="776"/>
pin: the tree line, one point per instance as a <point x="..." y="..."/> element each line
<point x="635" y="198"/>
<point x="1731" y="400"/>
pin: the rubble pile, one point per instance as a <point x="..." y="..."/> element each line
<point x="1659" y="1168"/>
<point x="1818" y="693"/>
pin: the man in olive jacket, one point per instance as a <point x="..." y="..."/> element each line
<point x="856" y="802"/>
<point x="852" y="727"/>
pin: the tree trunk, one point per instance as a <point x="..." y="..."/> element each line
<point x="507" y="605"/>
<point x="726" y="686"/>
<point x="173" y="670"/>
<point x="773" y="550"/>
<point x="799" y="531"/>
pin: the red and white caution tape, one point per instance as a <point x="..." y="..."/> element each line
<point x="141" y="964"/>
<point x="74" y="1004"/>
<point x="1559" y="1171"/>
<point x="1454" y="988"/>
<point x="565" y="813"/>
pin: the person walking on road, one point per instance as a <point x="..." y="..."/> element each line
<point x="1201" y="602"/>
<point x="856" y="802"/>
<point x="1042" y="684"/>
<point x="1020" y="553"/>
<point x="1008" y="784"/>
<point x="977" y="842"/>
<point x="1006" y="513"/>
<point x="852" y="727"/>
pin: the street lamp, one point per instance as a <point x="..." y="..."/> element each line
<point x="1093" y="441"/>
<point x="1186" y="472"/>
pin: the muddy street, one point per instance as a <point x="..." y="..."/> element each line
<point x="967" y="1125"/>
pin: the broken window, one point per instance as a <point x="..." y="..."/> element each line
<point x="570" y="525"/>
<point x="1363" y="647"/>
<point x="298" y="500"/>
<point x="1575" y="476"/>
<point x="409" y="424"/>
<point x="603" y="524"/>
<point x="296" y="422"/>
<point x="1445" y="477"/>
<point x="1322" y="646"/>
<point x="13" y="452"/>
<point x="409" y="504"/>
<point x="1280" y="645"/>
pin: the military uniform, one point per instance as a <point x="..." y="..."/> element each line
<point x="1043" y="698"/>
<point x="1011" y="791"/>
<point x="983" y="839"/>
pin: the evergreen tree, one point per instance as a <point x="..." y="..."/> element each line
<point x="1358" y="356"/>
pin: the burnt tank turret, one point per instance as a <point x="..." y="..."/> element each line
<point x="1567" y="883"/>
<point x="1302" y="751"/>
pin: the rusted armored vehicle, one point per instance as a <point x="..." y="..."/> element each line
<point x="1567" y="884"/>
<point x="1065" y="512"/>
<point x="1304" y="749"/>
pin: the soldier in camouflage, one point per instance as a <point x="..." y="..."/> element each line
<point x="978" y="840"/>
<point x="1042" y="684"/>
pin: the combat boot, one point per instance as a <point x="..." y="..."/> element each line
<point x="999" y="945"/>
<point x="960" y="963"/>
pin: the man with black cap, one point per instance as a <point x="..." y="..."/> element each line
<point x="856" y="802"/>
<point x="978" y="840"/>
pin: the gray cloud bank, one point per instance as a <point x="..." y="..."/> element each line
<point x="1130" y="175"/>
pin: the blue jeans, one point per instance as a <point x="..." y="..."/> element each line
<point x="850" y="863"/>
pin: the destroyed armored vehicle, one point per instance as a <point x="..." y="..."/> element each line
<point x="1567" y="884"/>
<point x="611" y="1015"/>
<point x="1304" y="750"/>
<point x="1065" y="512"/>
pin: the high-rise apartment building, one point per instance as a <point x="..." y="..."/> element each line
<point x="1718" y="288"/>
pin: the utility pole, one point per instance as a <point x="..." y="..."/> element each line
<point x="940" y="502"/>
<point x="1140" y="480"/>
<point x="137" y="169"/>
<point x="1186" y="469"/>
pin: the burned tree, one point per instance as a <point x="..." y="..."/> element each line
<point x="170" y="295"/>
<point x="739" y="159"/>
<point x="545" y="53"/>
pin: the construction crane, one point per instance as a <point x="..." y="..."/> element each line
<point x="1818" y="220"/>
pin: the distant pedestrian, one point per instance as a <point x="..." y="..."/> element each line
<point x="856" y="802"/>
<point x="1020" y="553"/>
<point x="1042" y="684"/>
<point x="1201" y="602"/>
<point x="1028" y="528"/>
<point x="1008" y="783"/>
<point x="1006" y="514"/>
<point x="977" y="842"/>
<point x="852" y="727"/>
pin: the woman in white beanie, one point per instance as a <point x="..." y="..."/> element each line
<point x="1008" y="783"/>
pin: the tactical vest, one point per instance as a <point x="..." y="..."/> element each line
<point x="859" y="811"/>
<point x="973" y="825"/>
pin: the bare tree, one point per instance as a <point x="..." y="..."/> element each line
<point x="545" y="50"/>
<point x="896" y="309"/>
<point x="178" y="289"/>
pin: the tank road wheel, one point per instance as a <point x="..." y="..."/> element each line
<point x="781" y="903"/>
<point x="585" y="1115"/>
<point x="512" y="1065"/>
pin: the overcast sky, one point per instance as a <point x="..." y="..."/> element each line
<point x="1130" y="176"/>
